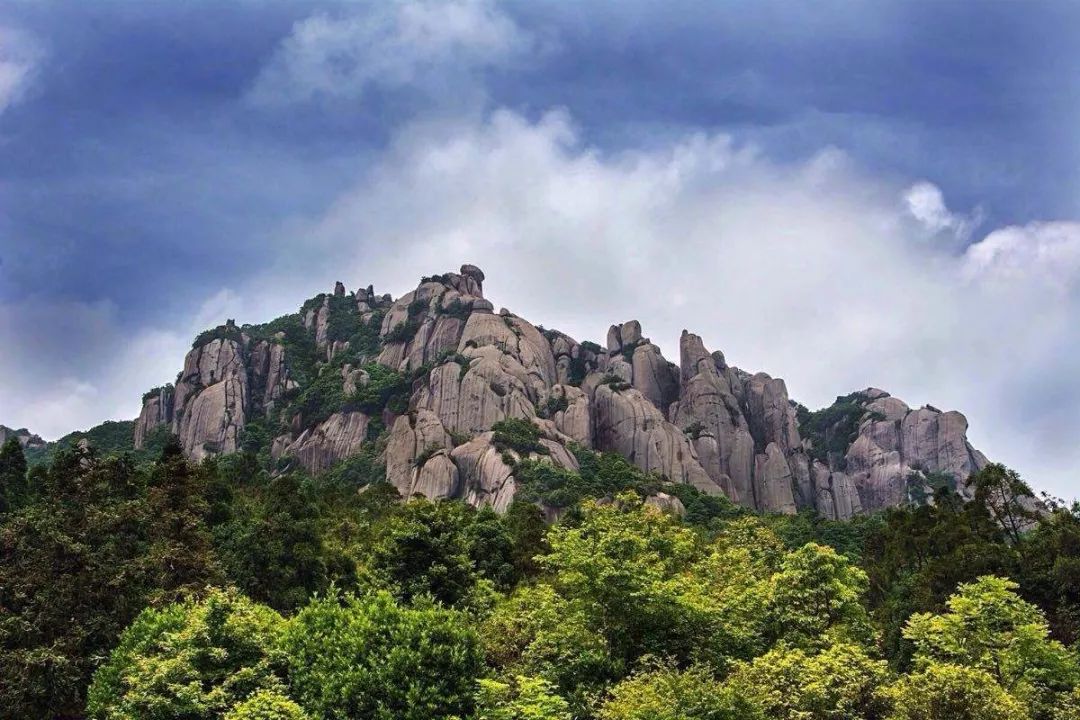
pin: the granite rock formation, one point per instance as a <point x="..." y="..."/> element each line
<point x="438" y="367"/>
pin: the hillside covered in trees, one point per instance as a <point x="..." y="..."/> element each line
<point x="169" y="589"/>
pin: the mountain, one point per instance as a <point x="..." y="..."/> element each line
<point x="27" y="439"/>
<point x="425" y="379"/>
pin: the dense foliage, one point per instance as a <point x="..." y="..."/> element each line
<point x="160" y="589"/>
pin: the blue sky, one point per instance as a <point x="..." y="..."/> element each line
<point x="844" y="194"/>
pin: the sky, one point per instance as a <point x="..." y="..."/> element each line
<point x="841" y="194"/>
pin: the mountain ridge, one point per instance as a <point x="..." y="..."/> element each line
<point x="424" y="379"/>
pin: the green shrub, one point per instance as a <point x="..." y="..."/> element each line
<point x="167" y="388"/>
<point x="370" y="659"/>
<point x="456" y="309"/>
<point x="615" y="382"/>
<point x="403" y="332"/>
<point x="552" y="406"/>
<point x="441" y="278"/>
<point x="344" y="320"/>
<point x="228" y="331"/>
<point x="832" y="430"/>
<point x="321" y="398"/>
<point x="426" y="454"/>
<point x="695" y="430"/>
<point x="386" y="390"/>
<point x="628" y="351"/>
<point x="521" y="436"/>
<point x="579" y="369"/>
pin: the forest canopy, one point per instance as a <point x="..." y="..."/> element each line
<point x="166" y="589"/>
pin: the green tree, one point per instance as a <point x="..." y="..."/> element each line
<point x="196" y="660"/>
<point x="520" y="698"/>
<point x="1006" y="497"/>
<point x="990" y="628"/>
<point x="816" y="599"/>
<point x="662" y="692"/>
<point x="951" y="692"/>
<point x="14" y="491"/>
<point x="916" y="557"/>
<point x="537" y="632"/>
<point x="367" y="658"/>
<point x="528" y="533"/>
<point x="626" y="564"/>
<point x="1050" y="572"/>
<point x="838" y="683"/>
<point x="1069" y="709"/>
<point x="181" y="550"/>
<point x="733" y="580"/>
<point x="274" y="551"/>
<point x="72" y="576"/>
<point x="491" y="548"/>
<point x="425" y="549"/>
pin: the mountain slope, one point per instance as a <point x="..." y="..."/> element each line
<point x="427" y="376"/>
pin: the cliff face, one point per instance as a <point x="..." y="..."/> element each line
<point x="437" y="367"/>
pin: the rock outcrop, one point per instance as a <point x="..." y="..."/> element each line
<point x="27" y="439"/>
<point x="426" y="323"/>
<point x="438" y="367"/>
<point x="321" y="447"/>
<point x="898" y="449"/>
<point x="157" y="410"/>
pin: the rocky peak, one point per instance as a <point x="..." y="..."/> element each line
<point x="476" y="275"/>
<point x="320" y="380"/>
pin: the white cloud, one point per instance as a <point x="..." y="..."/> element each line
<point x="395" y="45"/>
<point x="20" y="56"/>
<point x="1039" y="252"/>
<point x="926" y="204"/>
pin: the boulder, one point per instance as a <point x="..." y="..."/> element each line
<point x="212" y="421"/>
<point x="572" y="418"/>
<point x="488" y="480"/>
<point x="486" y="477"/>
<point x="708" y="405"/>
<point x="896" y="442"/>
<point x="667" y="504"/>
<point x="437" y="478"/>
<point x="518" y="339"/>
<point x="773" y="481"/>
<point x="27" y="440"/>
<point x="653" y="376"/>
